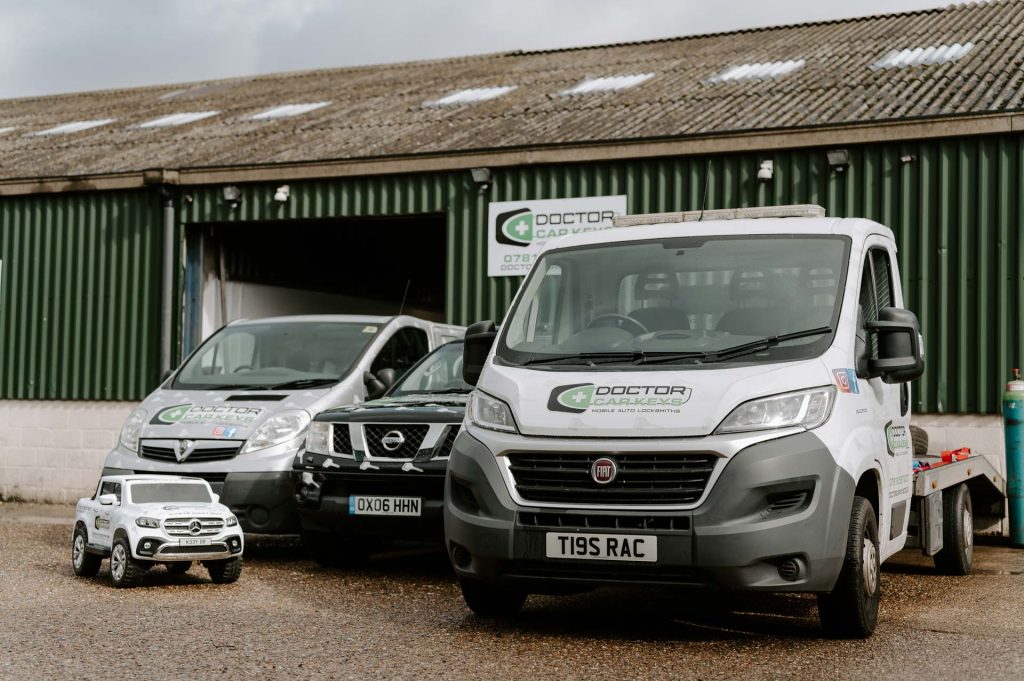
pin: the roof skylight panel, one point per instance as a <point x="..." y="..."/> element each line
<point x="608" y="83"/>
<point x="177" y="119"/>
<point x="470" y="95"/>
<point x="923" y="56"/>
<point x="287" y="110"/>
<point x="76" y="126"/>
<point x="758" y="71"/>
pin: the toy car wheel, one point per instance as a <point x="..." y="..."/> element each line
<point x="957" y="554"/>
<point x="332" y="550"/>
<point x="84" y="564"/>
<point x="225" y="571"/>
<point x="125" y="571"/>
<point x="850" y="610"/>
<point x="179" y="567"/>
<point x="488" y="600"/>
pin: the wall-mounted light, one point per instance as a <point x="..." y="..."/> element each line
<point x="764" y="173"/>
<point x="282" y="193"/>
<point x="838" y="159"/>
<point x="233" y="195"/>
<point x="482" y="178"/>
<point x="908" y="158"/>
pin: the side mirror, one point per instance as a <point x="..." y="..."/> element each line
<point x="900" y="357"/>
<point x="107" y="499"/>
<point x="479" y="339"/>
<point x="387" y="376"/>
<point x="374" y="386"/>
<point x="216" y="498"/>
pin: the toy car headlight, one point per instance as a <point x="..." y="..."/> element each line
<point x="132" y="428"/>
<point x="318" y="438"/>
<point x="806" y="408"/>
<point x="490" y="412"/>
<point x="231" y="521"/>
<point x="279" y="428"/>
<point x="147" y="522"/>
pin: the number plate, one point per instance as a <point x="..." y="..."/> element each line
<point x="407" y="506"/>
<point x="194" y="541"/>
<point x="625" y="547"/>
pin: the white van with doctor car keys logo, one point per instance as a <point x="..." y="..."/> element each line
<point x="723" y="401"/>
<point x="236" y="411"/>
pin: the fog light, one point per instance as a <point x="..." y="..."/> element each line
<point x="461" y="556"/>
<point x="789" y="570"/>
<point x="146" y="544"/>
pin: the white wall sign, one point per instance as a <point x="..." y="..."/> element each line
<point x="518" y="230"/>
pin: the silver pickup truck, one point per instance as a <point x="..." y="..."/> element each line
<point x="237" y="410"/>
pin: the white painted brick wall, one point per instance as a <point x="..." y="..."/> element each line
<point x="54" y="451"/>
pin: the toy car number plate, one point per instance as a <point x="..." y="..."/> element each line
<point x="627" y="547"/>
<point x="360" y="505"/>
<point x="194" y="541"/>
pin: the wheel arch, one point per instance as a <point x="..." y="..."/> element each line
<point x="869" y="486"/>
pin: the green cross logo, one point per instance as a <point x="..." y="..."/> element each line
<point x="572" y="398"/>
<point x="172" y="414"/>
<point x="515" y="228"/>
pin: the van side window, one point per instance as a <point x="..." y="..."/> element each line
<point x="883" y="277"/>
<point x="403" y="350"/>
<point x="111" y="488"/>
<point x="875" y="290"/>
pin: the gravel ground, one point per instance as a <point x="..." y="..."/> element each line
<point x="402" y="617"/>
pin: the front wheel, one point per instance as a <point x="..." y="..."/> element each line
<point x="488" y="600"/>
<point x="84" y="564"/>
<point x="225" y="571"/>
<point x="125" y="571"/>
<point x="957" y="554"/>
<point x="850" y="610"/>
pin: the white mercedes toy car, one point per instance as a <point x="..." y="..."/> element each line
<point x="141" y="520"/>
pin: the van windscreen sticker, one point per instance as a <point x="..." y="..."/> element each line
<point x="846" y="379"/>
<point x="212" y="414"/>
<point x="618" y="399"/>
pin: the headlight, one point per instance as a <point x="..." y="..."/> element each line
<point x="132" y="427"/>
<point x="147" y="522"/>
<point x="318" y="438"/>
<point x="807" y="408"/>
<point x="280" y="428"/>
<point x="231" y="521"/>
<point x="490" y="412"/>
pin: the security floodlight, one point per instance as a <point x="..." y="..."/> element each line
<point x="282" y="193"/>
<point x="482" y="178"/>
<point x="838" y="159"/>
<point x="764" y="173"/>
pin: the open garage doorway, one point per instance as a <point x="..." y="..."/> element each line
<point x="246" y="270"/>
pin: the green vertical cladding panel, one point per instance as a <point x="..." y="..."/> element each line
<point x="79" y="295"/>
<point x="956" y="207"/>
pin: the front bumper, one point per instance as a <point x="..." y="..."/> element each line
<point x="323" y="498"/>
<point x="169" y="549"/>
<point x="263" y="501"/>
<point x="735" y="537"/>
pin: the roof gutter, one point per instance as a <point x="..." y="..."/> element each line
<point x="869" y="133"/>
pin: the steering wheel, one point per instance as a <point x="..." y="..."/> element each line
<point x="620" y="321"/>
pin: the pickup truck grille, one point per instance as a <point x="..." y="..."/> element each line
<point x="342" y="438"/>
<point x="444" y="449"/>
<point x="202" y="451"/>
<point x="642" y="479"/>
<point x="193" y="527"/>
<point x="411" y="436"/>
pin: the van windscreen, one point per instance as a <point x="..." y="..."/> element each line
<point x="687" y="300"/>
<point x="276" y="355"/>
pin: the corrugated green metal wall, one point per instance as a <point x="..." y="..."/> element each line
<point x="79" y="295"/>
<point x="956" y="206"/>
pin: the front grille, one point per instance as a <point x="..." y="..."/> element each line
<point x="427" y="485"/>
<point x="342" y="438"/>
<point x="220" y="451"/>
<point x="181" y="527"/>
<point x="412" y="437"/>
<point x="642" y="478"/>
<point x="594" y="521"/>
<point x="444" y="449"/>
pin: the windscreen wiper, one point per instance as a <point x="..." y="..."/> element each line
<point x="669" y="357"/>
<point x="764" y="344"/>
<point x="448" y="391"/>
<point x="302" y="383"/>
<point x="588" y="358"/>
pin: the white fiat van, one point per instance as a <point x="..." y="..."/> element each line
<point x="717" y="401"/>
<point x="235" y="413"/>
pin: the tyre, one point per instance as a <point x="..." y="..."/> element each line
<point x="919" y="440"/>
<point x="84" y="564"/>
<point x="488" y="600"/>
<point x="333" y="550"/>
<point x="179" y="567"/>
<point x="957" y="554"/>
<point x="225" y="571"/>
<point x="850" y="610"/>
<point x="125" y="571"/>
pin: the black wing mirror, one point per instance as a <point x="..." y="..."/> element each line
<point x="374" y="386"/>
<point x="900" y="356"/>
<point x="387" y="376"/>
<point x="479" y="339"/>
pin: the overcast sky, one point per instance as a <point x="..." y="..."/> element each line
<point x="49" y="46"/>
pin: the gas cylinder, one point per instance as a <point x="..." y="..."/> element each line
<point x="1013" y="427"/>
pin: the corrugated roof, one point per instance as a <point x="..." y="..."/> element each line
<point x="380" y="111"/>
